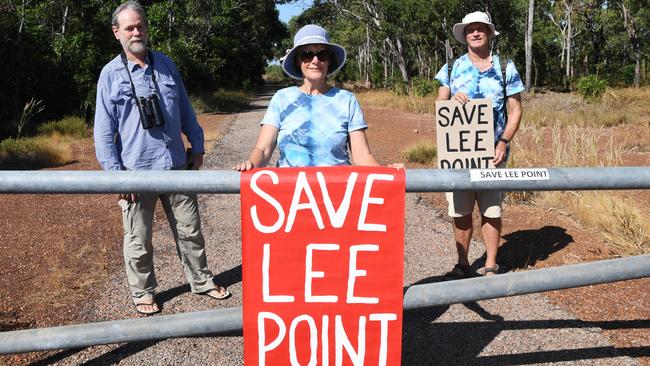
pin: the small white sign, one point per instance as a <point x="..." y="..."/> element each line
<point x="477" y="175"/>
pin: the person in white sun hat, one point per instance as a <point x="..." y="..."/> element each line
<point x="480" y="74"/>
<point x="312" y="124"/>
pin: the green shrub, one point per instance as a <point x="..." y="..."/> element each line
<point x="422" y="153"/>
<point x="400" y="88"/>
<point x="626" y="74"/>
<point x="591" y="88"/>
<point x="220" y="101"/>
<point x="274" y="73"/>
<point x="422" y="87"/>
<point x="68" y="126"/>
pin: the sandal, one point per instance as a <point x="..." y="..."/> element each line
<point x="216" y="293"/>
<point x="491" y="271"/>
<point x="152" y="303"/>
<point x="459" y="272"/>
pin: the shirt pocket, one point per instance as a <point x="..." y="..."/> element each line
<point x="169" y="89"/>
<point x="122" y="99"/>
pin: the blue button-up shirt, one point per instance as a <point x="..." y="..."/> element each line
<point x="120" y="141"/>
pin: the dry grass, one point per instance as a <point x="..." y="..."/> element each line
<point x="421" y="153"/>
<point x="562" y="131"/>
<point x="64" y="283"/>
<point x="569" y="110"/>
<point x="621" y="222"/>
<point x="388" y="99"/>
<point x="211" y="135"/>
<point x="634" y="101"/>
<point x="228" y="101"/>
<point x="36" y="152"/>
<point x="618" y="106"/>
<point x="569" y="146"/>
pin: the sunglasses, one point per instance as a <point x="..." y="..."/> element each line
<point x="307" y="56"/>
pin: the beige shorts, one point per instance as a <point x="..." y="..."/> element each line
<point x="489" y="202"/>
<point x="462" y="203"/>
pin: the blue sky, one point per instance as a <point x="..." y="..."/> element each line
<point x="290" y="10"/>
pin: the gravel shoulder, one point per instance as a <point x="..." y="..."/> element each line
<point x="526" y="329"/>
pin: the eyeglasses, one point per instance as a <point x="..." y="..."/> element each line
<point x="307" y="56"/>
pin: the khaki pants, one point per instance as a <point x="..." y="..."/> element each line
<point x="183" y="216"/>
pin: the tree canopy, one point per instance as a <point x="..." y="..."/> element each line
<point x="396" y="40"/>
<point x="53" y="50"/>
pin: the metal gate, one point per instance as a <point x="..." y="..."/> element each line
<point x="227" y="321"/>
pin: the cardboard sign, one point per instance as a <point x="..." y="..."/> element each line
<point x="322" y="264"/>
<point x="465" y="134"/>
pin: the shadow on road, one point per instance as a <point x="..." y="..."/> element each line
<point x="461" y="343"/>
<point x="225" y="279"/>
<point x="524" y="248"/>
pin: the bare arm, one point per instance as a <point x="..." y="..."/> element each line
<point x="263" y="150"/>
<point x="361" y="154"/>
<point x="443" y="93"/>
<point x="513" y="103"/>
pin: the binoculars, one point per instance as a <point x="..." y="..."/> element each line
<point x="150" y="113"/>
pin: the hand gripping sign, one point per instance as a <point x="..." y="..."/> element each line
<point x="323" y="252"/>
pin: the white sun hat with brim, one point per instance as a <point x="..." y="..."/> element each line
<point x="312" y="34"/>
<point x="475" y="17"/>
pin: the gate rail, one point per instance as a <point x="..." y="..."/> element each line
<point x="228" y="321"/>
<point x="224" y="181"/>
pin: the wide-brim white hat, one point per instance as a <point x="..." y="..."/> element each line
<point x="475" y="17"/>
<point x="312" y="34"/>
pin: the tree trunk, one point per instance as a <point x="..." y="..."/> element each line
<point x="22" y="17"/>
<point x="360" y="62"/>
<point x="402" y="62"/>
<point x="637" y="67"/>
<point x="568" y="46"/>
<point x="631" y="28"/>
<point x="64" y="21"/>
<point x="529" y="43"/>
<point x="368" y="59"/>
<point x="397" y="51"/>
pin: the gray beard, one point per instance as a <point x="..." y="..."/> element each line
<point x="137" y="47"/>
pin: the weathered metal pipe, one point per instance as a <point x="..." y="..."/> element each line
<point x="229" y="320"/>
<point x="527" y="282"/>
<point x="226" y="181"/>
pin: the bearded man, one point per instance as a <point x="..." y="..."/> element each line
<point x="142" y="109"/>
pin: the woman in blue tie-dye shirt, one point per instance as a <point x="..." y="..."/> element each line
<point x="477" y="74"/>
<point x="315" y="123"/>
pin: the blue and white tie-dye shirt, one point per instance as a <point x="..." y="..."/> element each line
<point x="487" y="84"/>
<point x="314" y="128"/>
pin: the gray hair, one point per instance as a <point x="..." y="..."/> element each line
<point x="131" y="5"/>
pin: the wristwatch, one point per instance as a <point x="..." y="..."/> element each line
<point x="504" y="140"/>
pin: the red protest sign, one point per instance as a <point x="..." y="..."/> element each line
<point x="322" y="265"/>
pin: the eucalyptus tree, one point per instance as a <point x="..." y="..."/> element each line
<point x="529" y="43"/>
<point x="636" y="20"/>
<point x="373" y="15"/>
